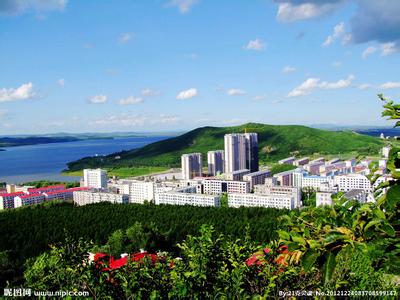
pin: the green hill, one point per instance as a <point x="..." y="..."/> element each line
<point x="275" y="142"/>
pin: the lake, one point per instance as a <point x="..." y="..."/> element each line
<point x="46" y="161"/>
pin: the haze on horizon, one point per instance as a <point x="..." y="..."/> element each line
<point x="173" y="65"/>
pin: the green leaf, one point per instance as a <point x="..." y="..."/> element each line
<point x="309" y="259"/>
<point x="329" y="267"/>
<point x="388" y="229"/>
<point x="284" y="235"/>
<point x="372" y="223"/>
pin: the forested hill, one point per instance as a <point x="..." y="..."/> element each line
<point x="275" y="142"/>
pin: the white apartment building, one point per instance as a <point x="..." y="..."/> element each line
<point x="217" y="187"/>
<point x="257" y="200"/>
<point x="215" y="160"/>
<point x="290" y="178"/>
<point x="316" y="182"/>
<point x="323" y="198"/>
<point x="257" y="177"/>
<point x="286" y="191"/>
<point x="350" y="182"/>
<point x="138" y="190"/>
<point x="95" y="178"/>
<point x="241" y="152"/>
<point x="237" y="175"/>
<point x="180" y="198"/>
<point x="89" y="197"/>
<point x="191" y="165"/>
<point x="357" y="194"/>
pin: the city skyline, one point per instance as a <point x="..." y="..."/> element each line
<point x="72" y="66"/>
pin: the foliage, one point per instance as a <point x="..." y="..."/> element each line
<point x="124" y="171"/>
<point x="275" y="142"/>
<point x="277" y="168"/>
<point x="44" y="183"/>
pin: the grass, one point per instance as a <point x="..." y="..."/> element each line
<point x="123" y="172"/>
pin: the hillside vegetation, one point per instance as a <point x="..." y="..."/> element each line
<point x="275" y="142"/>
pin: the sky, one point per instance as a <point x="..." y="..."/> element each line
<point x="168" y="65"/>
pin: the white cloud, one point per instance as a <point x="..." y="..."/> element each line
<point x="130" y="100"/>
<point x="19" y="6"/>
<point x="187" y="94"/>
<point x="312" y="84"/>
<point x="256" y="45"/>
<point x="98" y="99"/>
<point x="389" y="48"/>
<point x="367" y="52"/>
<point x="61" y="81"/>
<point x="125" y="37"/>
<point x="134" y="120"/>
<point x="24" y="92"/>
<point x="288" y="69"/>
<point x="390" y="85"/>
<point x="184" y="6"/>
<point x="291" y="12"/>
<point x="338" y="32"/>
<point x="236" y="92"/>
<point x="150" y="93"/>
<point x="364" y="86"/>
<point x="259" y="97"/>
<point x="340" y="84"/>
<point x="305" y="88"/>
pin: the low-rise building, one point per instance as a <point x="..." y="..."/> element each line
<point x="357" y="194"/>
<point x="257" y="200"/>
<point x="28" y="199"/>
<point x="90" y="196"/>
<point x="217" y="187"/>
<point x="7" y="199"/>
<point x="316" y="182"/>
<point x="323" y="198"/>
<point x="257" y="177"/>
<point x="237" y="175"/>
<point x="187" y="198"/>
<point x="66" y="194"/>
<point x="348" y="182"/>
<point x="285" y="191"/>
<point x="287" y="161"/>
<point x="301" y="161"/>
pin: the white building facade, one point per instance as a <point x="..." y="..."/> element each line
<point x="95" y="178"/>
<point x="192" y="164"/>
<point x="241" y="152"/>
<point x="215" y="160"/>
<point x="89" y="197"/>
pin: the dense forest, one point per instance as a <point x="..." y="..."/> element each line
<point x="275" y="142"/>
<point x="27" y="232"/>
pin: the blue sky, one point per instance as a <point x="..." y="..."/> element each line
<point x="162" y="65"/>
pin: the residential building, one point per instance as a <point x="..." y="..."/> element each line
<point x="257" y="177"/>
<point x="215" y="160"/>
<point x="217" y="187"/>
<point x="237" y="175"/>
<point x="313" y="167"/>
<point x="287" y="161"/>
<point x="191" y="165"/>
<point x="350" y="182"/>
<point x="95" y="178"/>
<point x="241" y="152"/>
<point x="28" y="199"/>
<point x="301" y="161"/>
<point x="7" y="199"/>
<point x="257" y="200"/>
<point x="187" y="198"/>
<point x="289" y="178"/>
<point x="323" y="198"/>
<point x="286" y="191"/>
<point x="140" y="191"/>
<point x="89" y="197"/>
<point x="66" y="194"/>
<point x="357" y="194"/>
<point x="316" y="182"/>
<point x="46" y="189"/>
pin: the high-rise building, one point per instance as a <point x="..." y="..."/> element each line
<point x="241" y="152"/>
<point x="95" y="178"/>
<point x="191" y="165"/>
<point x="215" y="161"/>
